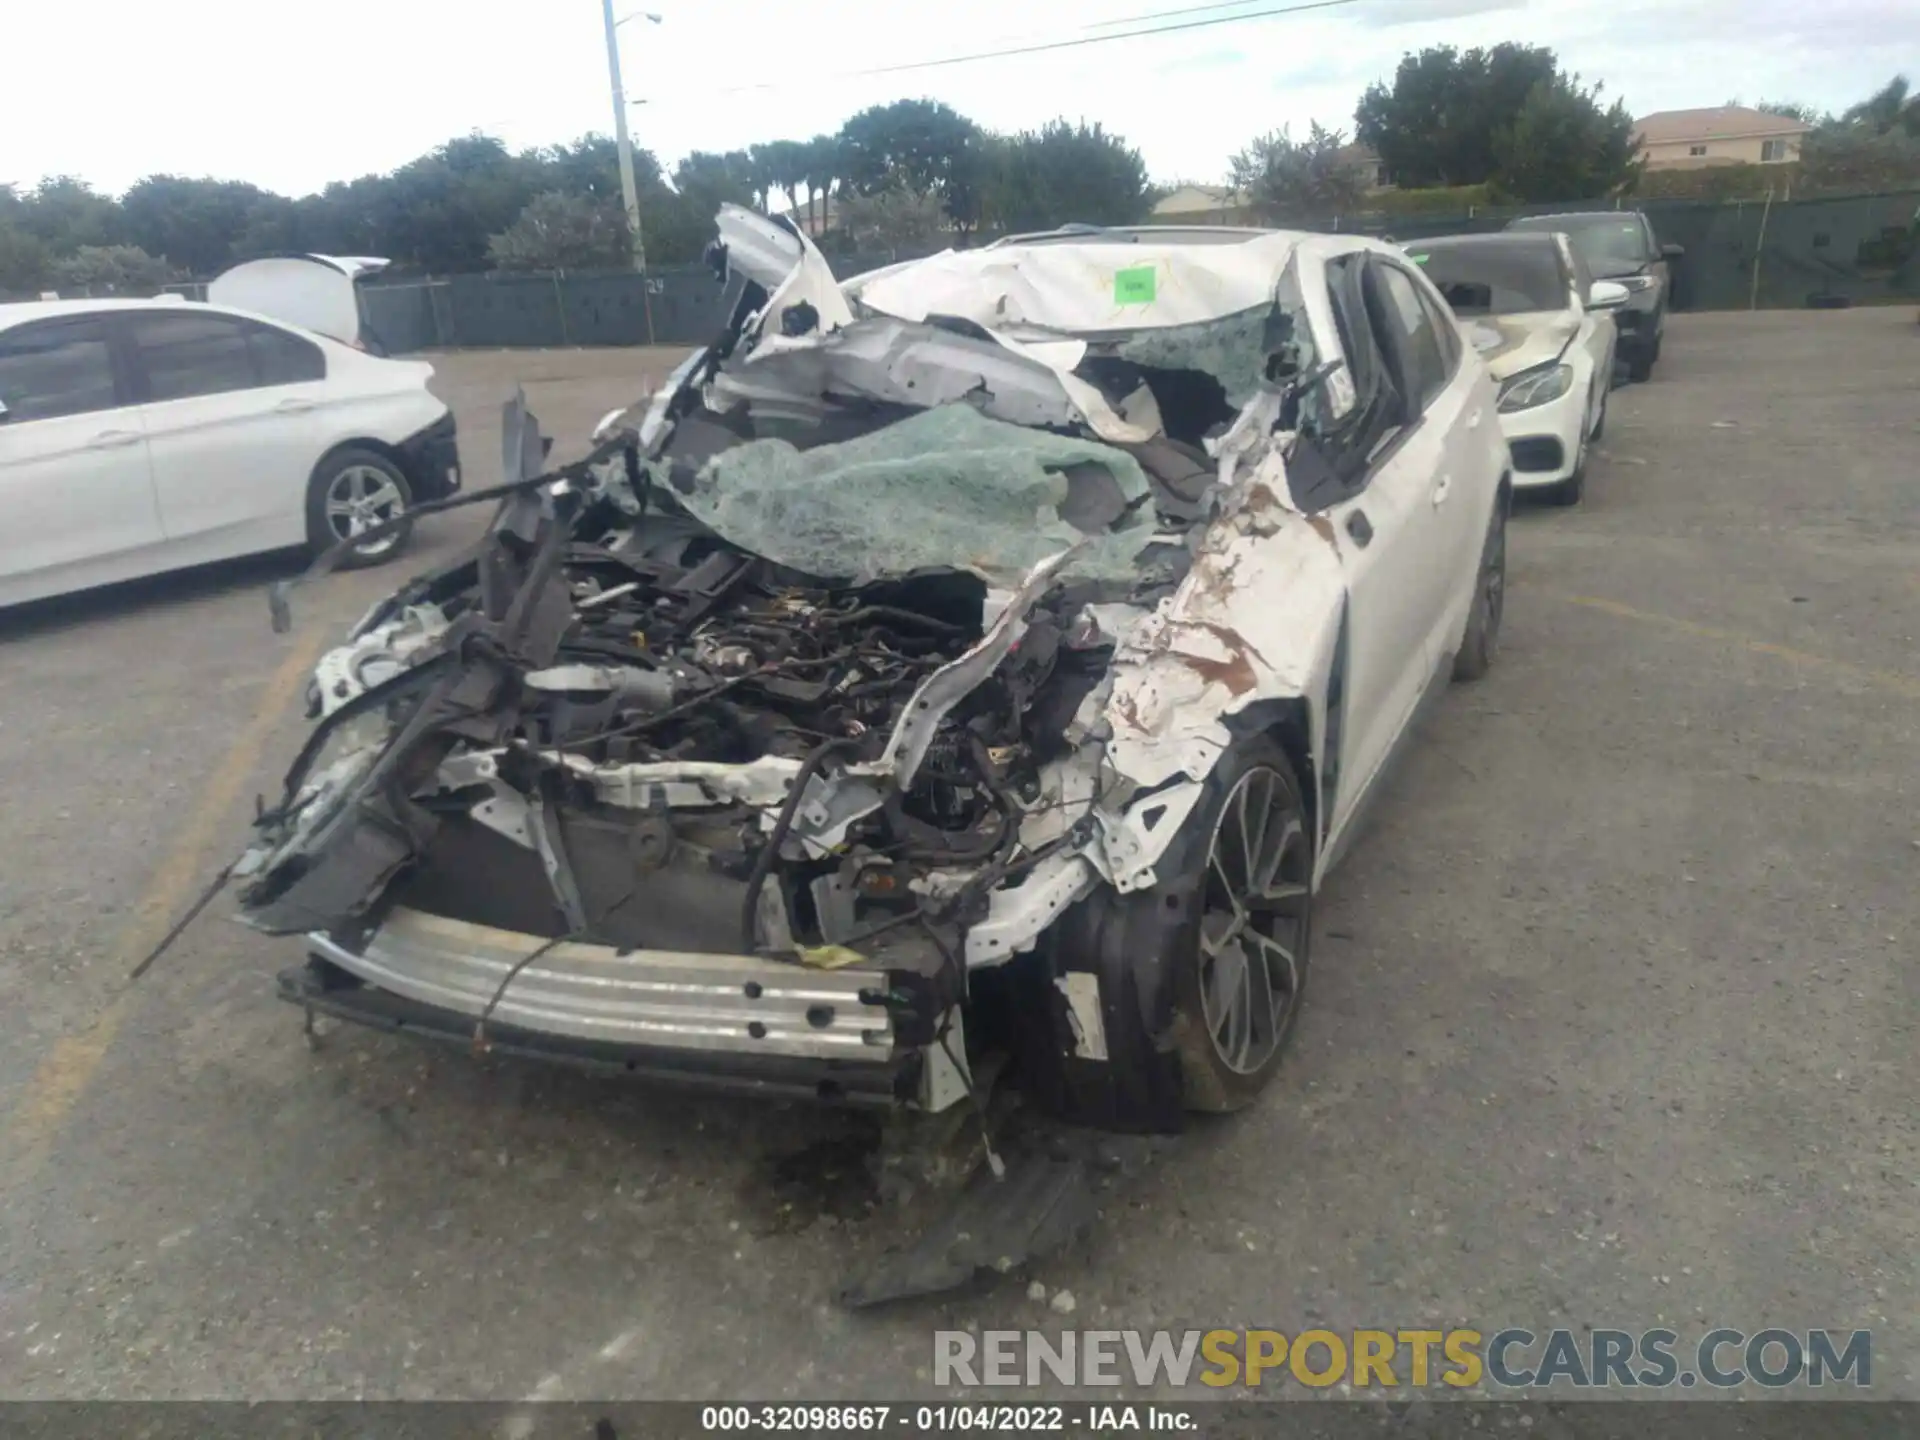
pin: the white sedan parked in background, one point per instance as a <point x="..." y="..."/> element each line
<point x="1546" y="331"/>
<point x="139" y="436"/>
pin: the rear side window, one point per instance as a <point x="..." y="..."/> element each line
<point x="56" y="368"/>
<point x="1446" y="332"/>
<point x="1415" y="337"/>
<point x="184" y="355"/>
<point x="283" y="359"/>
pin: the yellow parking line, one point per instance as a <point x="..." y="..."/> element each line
<point x="1886" y="679"/>
<point x="63" y="1076"/>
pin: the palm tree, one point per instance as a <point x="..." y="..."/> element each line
<point x="1893" y="106"/>
<point x="823" y="171"/>
<point x="758" y="170"/>
<point x="786" y="168"/>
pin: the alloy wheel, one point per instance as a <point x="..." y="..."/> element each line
<point x="1492" y="598"/>
<point x="361" y="497"/>
<point x="1253" y="929"/>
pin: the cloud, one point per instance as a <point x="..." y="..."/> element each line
<point x="1226" y="57"/>
<point x="1185" y="100"/>
<point x="1392" y="14"/>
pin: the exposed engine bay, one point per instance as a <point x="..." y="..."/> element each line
<point x="743" y="749"/>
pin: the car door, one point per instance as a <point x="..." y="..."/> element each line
<point x="231" y="410"/>
<point x="1457" y="419"/>
<point x="74" y="474"/>
<point x="1387" y="530"/>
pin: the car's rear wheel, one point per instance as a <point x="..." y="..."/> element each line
<point x="1640" y="360"/>
<point x="1242" y="968"/>
<point x="352" y="491"/>
<point x="1482" y="640"/>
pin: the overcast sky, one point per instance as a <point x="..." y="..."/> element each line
<point x="292" y="97"/>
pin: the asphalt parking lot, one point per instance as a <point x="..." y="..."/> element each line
<point x="1613" y="1018"/>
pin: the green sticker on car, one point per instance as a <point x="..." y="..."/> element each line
<point x="1134" y="286"/>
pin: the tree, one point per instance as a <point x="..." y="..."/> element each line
<point x="1791" y="109"/>
<point x="917" y="146"/>
<point x="111" y="270"/>
<point x="194" y="224"/>
<point x="783" y="163"/>
<point x="562" y="232"/>
<point x="590" y="166"/>
<point x="892" y="220"/>
<point x="1851" y="158"/>
<point x="23" y="261"/>
<point x="1892" y="107"/>
<point x="679" y="222"/>
<point x="1060" y="173"/>
<point x="1563" y="146"/>
<point x="63" y="213"/>
<point x="823" y="168"/>
<point x="1437" y="123"/>
<point x="1287" y="179"/>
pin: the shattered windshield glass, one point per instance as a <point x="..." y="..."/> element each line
<point x="947" y="488"/>
<point x="1232" y="349"/>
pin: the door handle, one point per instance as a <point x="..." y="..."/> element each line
<point x="114" y="439"/>
<point x="293" y="407"/>
<point x="1441" y="490"/>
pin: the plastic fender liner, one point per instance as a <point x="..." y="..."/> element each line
<point x="1128" y="943"/>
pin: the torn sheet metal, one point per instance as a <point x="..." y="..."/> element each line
<point x="899" y="364"/>
<point x="803" y="297"/>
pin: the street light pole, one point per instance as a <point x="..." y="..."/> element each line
<point x="629" y="192"/>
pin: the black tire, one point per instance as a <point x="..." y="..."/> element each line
<point x="1570" y="491"/>
<point x="1220" y="1071"/>
<point x="1640" y="363"/>
<point x="1482" y="640"/>
<point x="1600" y="425"/>
<point x="380" y="484"/>
<point x="1143" y="951"/>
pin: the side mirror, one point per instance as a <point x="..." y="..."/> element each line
<point x="1606" y="295"/>
<point x="1672" y="252"/>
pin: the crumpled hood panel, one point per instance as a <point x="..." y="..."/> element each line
<point x="1512" y="343"/>
<point x="1083" y="289"/>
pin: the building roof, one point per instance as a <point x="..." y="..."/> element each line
<point x="1716" y="122"/>
<point x="1196" y="199"/>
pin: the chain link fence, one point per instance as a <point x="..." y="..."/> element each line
<point x="1765" y="254"/>
<point x="1752" y="254"/>
<point x="1768" y="254"/>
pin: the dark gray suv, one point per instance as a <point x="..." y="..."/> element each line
<point x="1619" y="245"/>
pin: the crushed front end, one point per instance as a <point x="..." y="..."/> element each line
<point x="750" y="754"/>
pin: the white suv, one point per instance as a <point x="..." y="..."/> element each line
<point x="138" y="436"/>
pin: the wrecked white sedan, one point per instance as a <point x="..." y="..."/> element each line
<point x="982" y="661"/>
